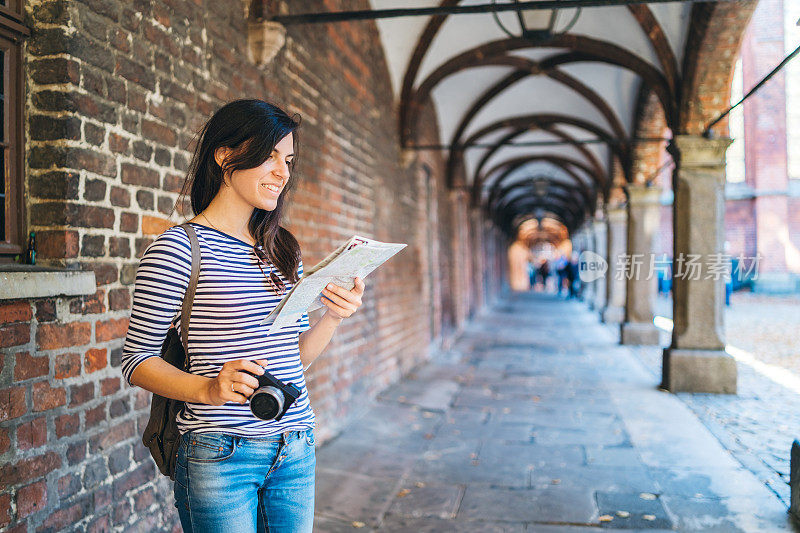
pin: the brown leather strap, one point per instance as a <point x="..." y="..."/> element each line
<point x="188" y="298"/>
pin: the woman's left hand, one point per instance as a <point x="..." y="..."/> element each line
<point x="342" y="303"/>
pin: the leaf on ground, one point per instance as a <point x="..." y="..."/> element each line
<point x="403" y="493"/>
<point x="358" y="525"/>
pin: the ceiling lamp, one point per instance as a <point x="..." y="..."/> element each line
<point x="540" y="186"/>
<point x="538" y="24"/>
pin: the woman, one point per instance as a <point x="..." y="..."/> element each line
<point x="235" y="472"/>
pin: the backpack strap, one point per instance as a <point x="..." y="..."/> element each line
<point x="188" y="298"/>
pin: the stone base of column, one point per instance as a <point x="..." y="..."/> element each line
<point x="711" y="371"/>
<point x="613" y="315"/>
<point x="639" y="333"/>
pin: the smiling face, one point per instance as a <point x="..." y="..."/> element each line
<point x="261" y="186"/>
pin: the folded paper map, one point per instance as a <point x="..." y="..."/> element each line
<point x="355" y="258"/>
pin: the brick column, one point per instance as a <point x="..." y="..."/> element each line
<point x="643" y="211"/>
<point x="696" y="360"/>
<point x="478" y="258"/>
<point x="600" y="244"/>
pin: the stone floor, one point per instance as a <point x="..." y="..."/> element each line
<point x="760" y="323"/>
<point x="759" y="423"/>
<point x="536" y="420"/>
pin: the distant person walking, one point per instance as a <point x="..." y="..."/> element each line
<point x="544" y="273"/>
<point x="573" y="271"/>
<point x="561" y="272"/>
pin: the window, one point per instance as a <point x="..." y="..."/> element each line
<point x="12" y="33"/>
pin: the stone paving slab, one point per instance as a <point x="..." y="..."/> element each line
<point x="536" y="420"/>
<point x="550" y="504"/>
<point x="433" y="500"/>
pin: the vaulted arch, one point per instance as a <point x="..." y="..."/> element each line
<point x="586" y="196"/>
<point x="582" y="49"/>
<point x="510" y="165"/>
<point x="520" y="125"/>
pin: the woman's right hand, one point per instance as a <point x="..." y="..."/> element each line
<point x="235" y="382"/>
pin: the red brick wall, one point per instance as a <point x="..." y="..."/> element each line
<point x="740" y="227"/>
<point x="117" y="91"/>
<point x="664" y="237"/>
<point x="794" y="235"/>
<point x="765" y="133"/>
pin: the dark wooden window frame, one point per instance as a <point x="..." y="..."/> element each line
<point x="13" y="32"/>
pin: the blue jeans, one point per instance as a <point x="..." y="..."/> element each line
<point x="232" y="484"/>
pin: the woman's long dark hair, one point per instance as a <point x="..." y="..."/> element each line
<point x="251" y="128"/>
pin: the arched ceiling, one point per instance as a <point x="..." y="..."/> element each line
<point x="551" y="118"/>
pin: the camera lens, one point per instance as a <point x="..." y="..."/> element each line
<point x="267" y="402"/>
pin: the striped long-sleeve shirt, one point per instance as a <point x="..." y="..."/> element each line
<point x="232" y="299"/>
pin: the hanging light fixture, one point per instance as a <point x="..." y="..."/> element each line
<point x="538" y="24"/>
<point x="540" y="186"/>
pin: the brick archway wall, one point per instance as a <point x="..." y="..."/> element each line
<point x="650" y="123"/>
<point x="715" y="37"/>
<point x="99" y="193"/>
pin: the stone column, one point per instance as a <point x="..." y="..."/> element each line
<point x="589" y="285"/>
<point x="696" y="360"/>
<point x="616" y="243"/>
<point x="641" y="281"/>
<point x="578" y="246"/>
<point x="600" y="243"/>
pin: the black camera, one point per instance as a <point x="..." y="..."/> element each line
<point x="272" y="398"/>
